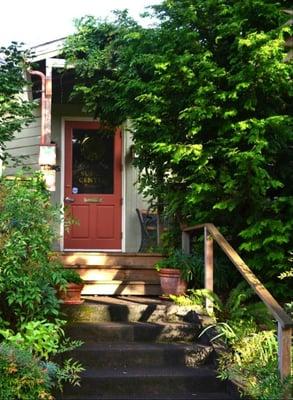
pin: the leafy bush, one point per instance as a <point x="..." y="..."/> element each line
<point x="24" y="376"/>
<point x="21" y="375"/>
<point x="28" y="272"/>
<point x="251" y="359"/>
<point x="209" y="96"/>
<point x="253" y="364"/>
<point x="44" y="341"/>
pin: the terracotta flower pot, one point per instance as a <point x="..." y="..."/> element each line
<point x="171" y="282"/>
<point x="72" y="293"/>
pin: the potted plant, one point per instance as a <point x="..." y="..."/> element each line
<point x="176" y="271"/>
<point x="70" y="293"/>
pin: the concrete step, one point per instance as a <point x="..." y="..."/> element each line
<point x="181" y="396"/>
<point x="149" y="381"/>
<point x="132" y="332"/>
<point x="102" y="309"/>
<point x="125" y="355"/>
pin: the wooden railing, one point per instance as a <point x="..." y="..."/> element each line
<point x="285" y="323"/>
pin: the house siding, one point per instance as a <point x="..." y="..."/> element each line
<point x="132" y="199"/>
<point x="26" y="143"/>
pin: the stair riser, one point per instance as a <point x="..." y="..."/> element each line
<point x="119" y="274"/>
<point x="148" y="385"/>
<point x="125" y="313"/>
<point x="102" y="259"/>
<point x="94" y="334"/>
<point x="121" y="288"/>
<point x="140" y="358"/>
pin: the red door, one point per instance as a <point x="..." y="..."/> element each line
<point x="93" y="186"/>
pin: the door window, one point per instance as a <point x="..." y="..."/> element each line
<point x="92" y="161"/>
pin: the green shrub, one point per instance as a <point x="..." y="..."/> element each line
<point x="44" y="341"/>
<point x="30" y="310"/>
<point x="28" y="272"/>
<point x="253" y="364"/>
<point x="21" y="375"/>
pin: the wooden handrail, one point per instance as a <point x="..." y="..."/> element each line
<point x="285" y="323"/>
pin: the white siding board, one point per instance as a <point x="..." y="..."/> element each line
<point x="24" y="142"/>
<point x="132" y="199"/>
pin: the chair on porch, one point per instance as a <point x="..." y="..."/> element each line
<point x="149" y="225"/>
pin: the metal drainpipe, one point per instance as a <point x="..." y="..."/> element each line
<point x="46" y="101"/>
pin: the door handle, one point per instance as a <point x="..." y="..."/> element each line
<point x="69" y="199"/>
<point x="93" y="200"/>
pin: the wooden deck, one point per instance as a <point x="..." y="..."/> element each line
<point x="115" y="273"/>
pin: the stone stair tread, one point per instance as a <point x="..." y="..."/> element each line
<point x="140" y="349"/>
<point x="126" y="300"/>
<point x="139" y="346"/>
<point x="114" y="324"/>
<point x="183" y="396"/>
<point x="148" y="372"/>
<point x="122" y="354"/>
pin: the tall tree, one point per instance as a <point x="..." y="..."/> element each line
<point x="209" y="95"/>
<point x="15" y="110"/>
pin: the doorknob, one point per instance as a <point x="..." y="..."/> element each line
<point x="69" y="199"/>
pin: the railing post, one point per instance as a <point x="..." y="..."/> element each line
<point x="185" y="242"/>
<point x="284" y="351"/>
<point x="208" y="266"/>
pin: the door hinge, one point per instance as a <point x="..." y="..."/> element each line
<point x="121" y="201"/>
<point x="121" y="235"/>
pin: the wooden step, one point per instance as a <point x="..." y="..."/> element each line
<point x="122" y="287"/>
<point x="119" y="274"/>
<point x="110" y="259"/>
<point x="115" y="273"/>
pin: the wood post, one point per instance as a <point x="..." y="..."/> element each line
<point x="284" y="351"/>
<point x="185" y="242"/>
<point x="208" y="266"/>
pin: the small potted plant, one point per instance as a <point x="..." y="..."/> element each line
<point x="175" y="272"/>
<point x="71" y="292"/>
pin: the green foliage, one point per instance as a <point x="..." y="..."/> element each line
<point x="21" y="375"/>
<point x="253" y="364"/>
<point x="197" y="297"/>
<point x="44" y="340"/>
<point x="188" y="264"/>
<point x="24" y="376"/>
<point x="28" y="271"/>
<point x="40" y="337"/>
<point x="71" y="276"/>
<point x="251" y="359"/>
<point x="15" y="112"/>
<point x="208" y="93"/>
<point x="30" y="324"/>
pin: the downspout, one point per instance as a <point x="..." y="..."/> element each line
<point x="46" y="101"/>
<point x="47" y="155"/>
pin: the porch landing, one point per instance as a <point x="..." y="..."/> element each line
<point x="115" y="273"/>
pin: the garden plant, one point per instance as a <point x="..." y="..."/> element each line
<point x="31" y="325"/>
